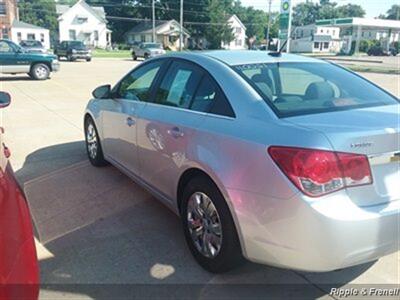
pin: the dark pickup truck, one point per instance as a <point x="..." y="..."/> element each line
<point x="73" y="50"/>
<point x="15" y="60"/>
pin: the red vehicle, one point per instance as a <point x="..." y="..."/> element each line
<point x="19" y="272"/>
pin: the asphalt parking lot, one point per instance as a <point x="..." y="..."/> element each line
<point x="95" y="226"/>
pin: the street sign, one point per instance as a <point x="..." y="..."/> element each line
<point x="284" y="19"/>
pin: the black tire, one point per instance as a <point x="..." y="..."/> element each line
<point x="146" y="56"/>
<point x="230" y="254"/>
<point x="134" y="57"/>
<point x="88" y="59"/>
<point x="39" y="71"/>
<point x="97" y="159"/>
<point x="70" y="58"/>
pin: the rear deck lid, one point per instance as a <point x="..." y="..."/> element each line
<point x="374" y="132"/>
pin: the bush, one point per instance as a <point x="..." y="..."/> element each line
<point x="365" y="45"/>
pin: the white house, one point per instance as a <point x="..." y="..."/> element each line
<point x="239" y="32"/>
<point x="84" y="23"/>
<point x="23" y="31"/>
<point x="315" y="39"/>
<point x="167" y="33"/>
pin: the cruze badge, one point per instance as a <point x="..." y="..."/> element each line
<point x="361" y="145"/>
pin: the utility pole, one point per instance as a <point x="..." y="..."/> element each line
<point x="181" y="29"/>
<point x="154" y="20"/>
<point x="269" y="22"/>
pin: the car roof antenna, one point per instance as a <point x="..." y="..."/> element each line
<point x="279" y="52"/>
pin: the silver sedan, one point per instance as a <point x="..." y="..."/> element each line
<point x="277" y="158"/>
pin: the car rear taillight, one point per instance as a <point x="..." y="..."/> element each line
<point x="319" y="172"/>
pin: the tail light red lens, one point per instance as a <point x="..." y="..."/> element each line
<point x="319" y="172"/>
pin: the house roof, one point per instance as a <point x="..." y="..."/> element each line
<point x="20" y="24"/>
<point x="238" y="20"/>
<point x="98" y="10"/>
<point x="147" y="27"/>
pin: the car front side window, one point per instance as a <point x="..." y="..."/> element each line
<point x="5" y="47"/>
<point x="136" y="85"/>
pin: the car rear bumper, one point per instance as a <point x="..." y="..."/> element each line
<point x="81" y="56"/>
<point x="317" y="235"/>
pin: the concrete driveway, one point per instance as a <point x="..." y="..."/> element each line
<point x="95" y="226"/>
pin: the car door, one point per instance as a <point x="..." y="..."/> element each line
<point x="12" y="59"/>
<point x="119" y="115"/>
<point x="166" y="126"/>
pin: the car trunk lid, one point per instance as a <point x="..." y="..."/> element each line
<point x="374" y="132"/>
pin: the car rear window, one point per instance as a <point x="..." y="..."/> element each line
<point x="305" y="88"/>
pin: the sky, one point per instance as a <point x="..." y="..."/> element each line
<point x="373" y="8"/>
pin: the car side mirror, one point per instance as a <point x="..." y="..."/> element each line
<point x="102" y="92"/>
<point x="5" y="99"/>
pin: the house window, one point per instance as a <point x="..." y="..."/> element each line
<point x="238" y="42"/>
<point x="42" y="37"/>
<point x="143" y="38"/>
<point x="333" y="32"/>
<point x="326" y="45"/>
<point x="238" y="30"/>
<point x="96" y="35"/>
<point x="322" y="31"/>
<point x="82" y="20"/>
<point x="19" y="37"/>
<point x="72" y="34"/>
<point x="4" y="32"/>
<point x="316" y="45"/>
<point x="3" y="8"/>
<point x="31" y="36"/>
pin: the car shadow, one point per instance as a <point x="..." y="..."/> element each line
<point x="15" y="78"/>
<point x="106" y="237"/>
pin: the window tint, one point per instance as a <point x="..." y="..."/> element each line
<point x="209" y="98"/>
<point x="305" y="88"/>
<point x="136" y="86"/>
<point x="179" y="85"/>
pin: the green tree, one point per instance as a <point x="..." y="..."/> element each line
<point x="350" y="10"/>
<point x="393" y="13"/>
<point x="40" y="13"/>
<point x="218" y="30"/>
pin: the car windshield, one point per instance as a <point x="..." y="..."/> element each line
<point x="152" y="45"/>
<point x="31" y="44"/>
<point x="292" y="89"/>
<point x="77" y="45"/>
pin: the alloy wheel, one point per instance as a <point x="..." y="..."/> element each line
<point x="204" y="225"/>
<point x="41" y="72"/>
<point x="91" y="140"/>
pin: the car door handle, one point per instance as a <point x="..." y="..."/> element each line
<point x="175" y="132"/>
<point x="130" y="122"/>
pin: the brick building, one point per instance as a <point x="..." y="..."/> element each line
<point x="8" y="13"/>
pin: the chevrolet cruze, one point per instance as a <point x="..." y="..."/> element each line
<point x="280" y="159"/>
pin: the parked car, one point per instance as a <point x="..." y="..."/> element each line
<point x="379" y="51"/>
<point x="15" y="60"/>
<point x="147" y="50"/>
<point x="73" y="50"/>
<point x="285" y="160"/>
<point x="33" y="46"/>
<point x="19" y="272"/>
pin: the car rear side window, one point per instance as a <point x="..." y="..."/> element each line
<point x="136" y="85"/>
<point x="187" y="86"/>
<point x="209" y="98"/>
<point x="179" y="85"/>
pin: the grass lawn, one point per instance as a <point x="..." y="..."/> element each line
<point x="112" y="54"/>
